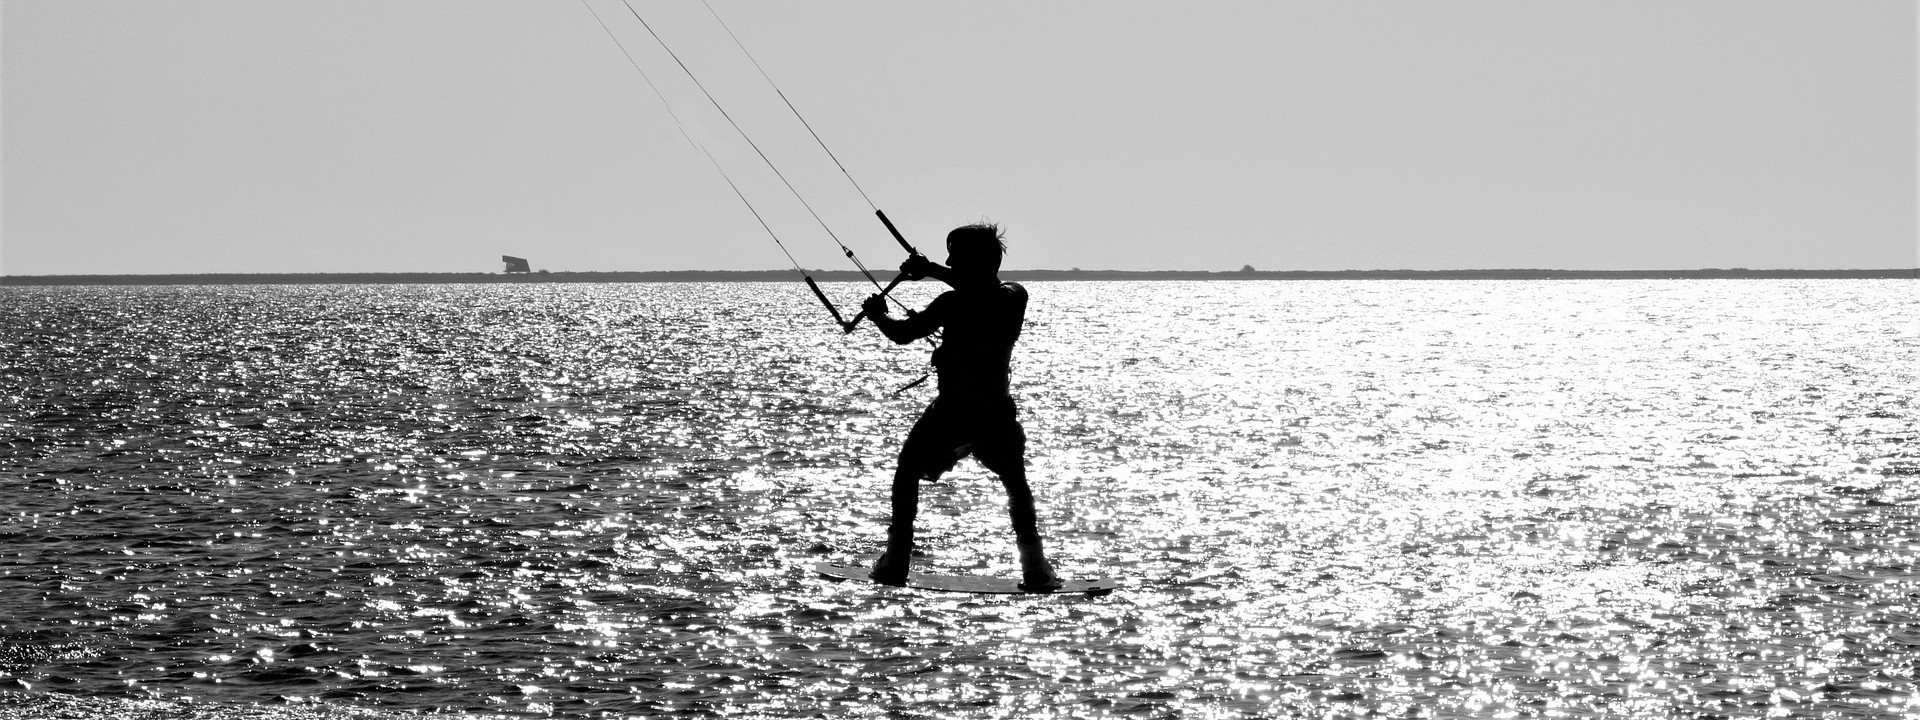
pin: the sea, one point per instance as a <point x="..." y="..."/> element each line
<point x="1322" y="499"/>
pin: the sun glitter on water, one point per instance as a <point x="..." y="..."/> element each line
<point x="1569" y="498"/>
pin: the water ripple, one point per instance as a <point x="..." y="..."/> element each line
<point x="1425" y="499"/>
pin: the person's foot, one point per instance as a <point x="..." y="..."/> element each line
<point x="890" y="569"/>
<point x="1035" y="572"/>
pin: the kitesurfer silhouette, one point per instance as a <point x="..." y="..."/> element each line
<point x="974" y="413"/>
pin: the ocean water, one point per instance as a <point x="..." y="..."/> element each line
<point x="1567" y="499"/>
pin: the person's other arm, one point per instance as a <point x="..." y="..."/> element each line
<point x="916" y="326"/>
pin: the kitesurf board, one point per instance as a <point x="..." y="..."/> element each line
<point x="969" y="583"/>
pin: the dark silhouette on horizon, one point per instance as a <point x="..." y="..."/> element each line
<point x="973" y="413"/>
<point x="782" y="276"/>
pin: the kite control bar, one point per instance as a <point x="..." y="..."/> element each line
<point x="896" y="232"/>
<point x="841" y="320"/>
<point x="829" y="303"/>
<point x="849" y="326"/>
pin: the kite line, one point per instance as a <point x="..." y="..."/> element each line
<point x="885" y="291"/>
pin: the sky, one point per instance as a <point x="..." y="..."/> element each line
<point x="247" y="136"/>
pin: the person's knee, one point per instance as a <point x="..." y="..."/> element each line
<point x="1019" y="493"/>
<point x="1011" y="469"/>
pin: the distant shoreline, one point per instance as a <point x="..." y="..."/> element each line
<point x="669" y="276"/>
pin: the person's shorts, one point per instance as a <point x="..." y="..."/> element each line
<point x="988" y="429"/>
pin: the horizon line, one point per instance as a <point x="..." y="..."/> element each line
<point x="417" y="277"/>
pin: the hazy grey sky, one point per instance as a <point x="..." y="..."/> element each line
<point x="436" y="135"/>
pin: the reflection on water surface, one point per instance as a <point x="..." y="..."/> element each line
<point x="1424" y="498"/>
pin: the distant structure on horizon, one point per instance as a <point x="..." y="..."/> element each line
<point x="514" y="264"/>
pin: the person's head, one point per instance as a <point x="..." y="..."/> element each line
<point x="976" y="249"/>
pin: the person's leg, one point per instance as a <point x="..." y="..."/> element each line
<point x="920" y="456"/>
<point x="1026" y="521"/>
<point x="1008" y="460"/>
<point x="1035" y="570"/>
<point x="893" y="564"/>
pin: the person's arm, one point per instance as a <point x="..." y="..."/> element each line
<point x="901" y="332"/>
<point x="918" y="266"/>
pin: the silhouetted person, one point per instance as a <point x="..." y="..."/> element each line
<point x="973" y="414"/>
